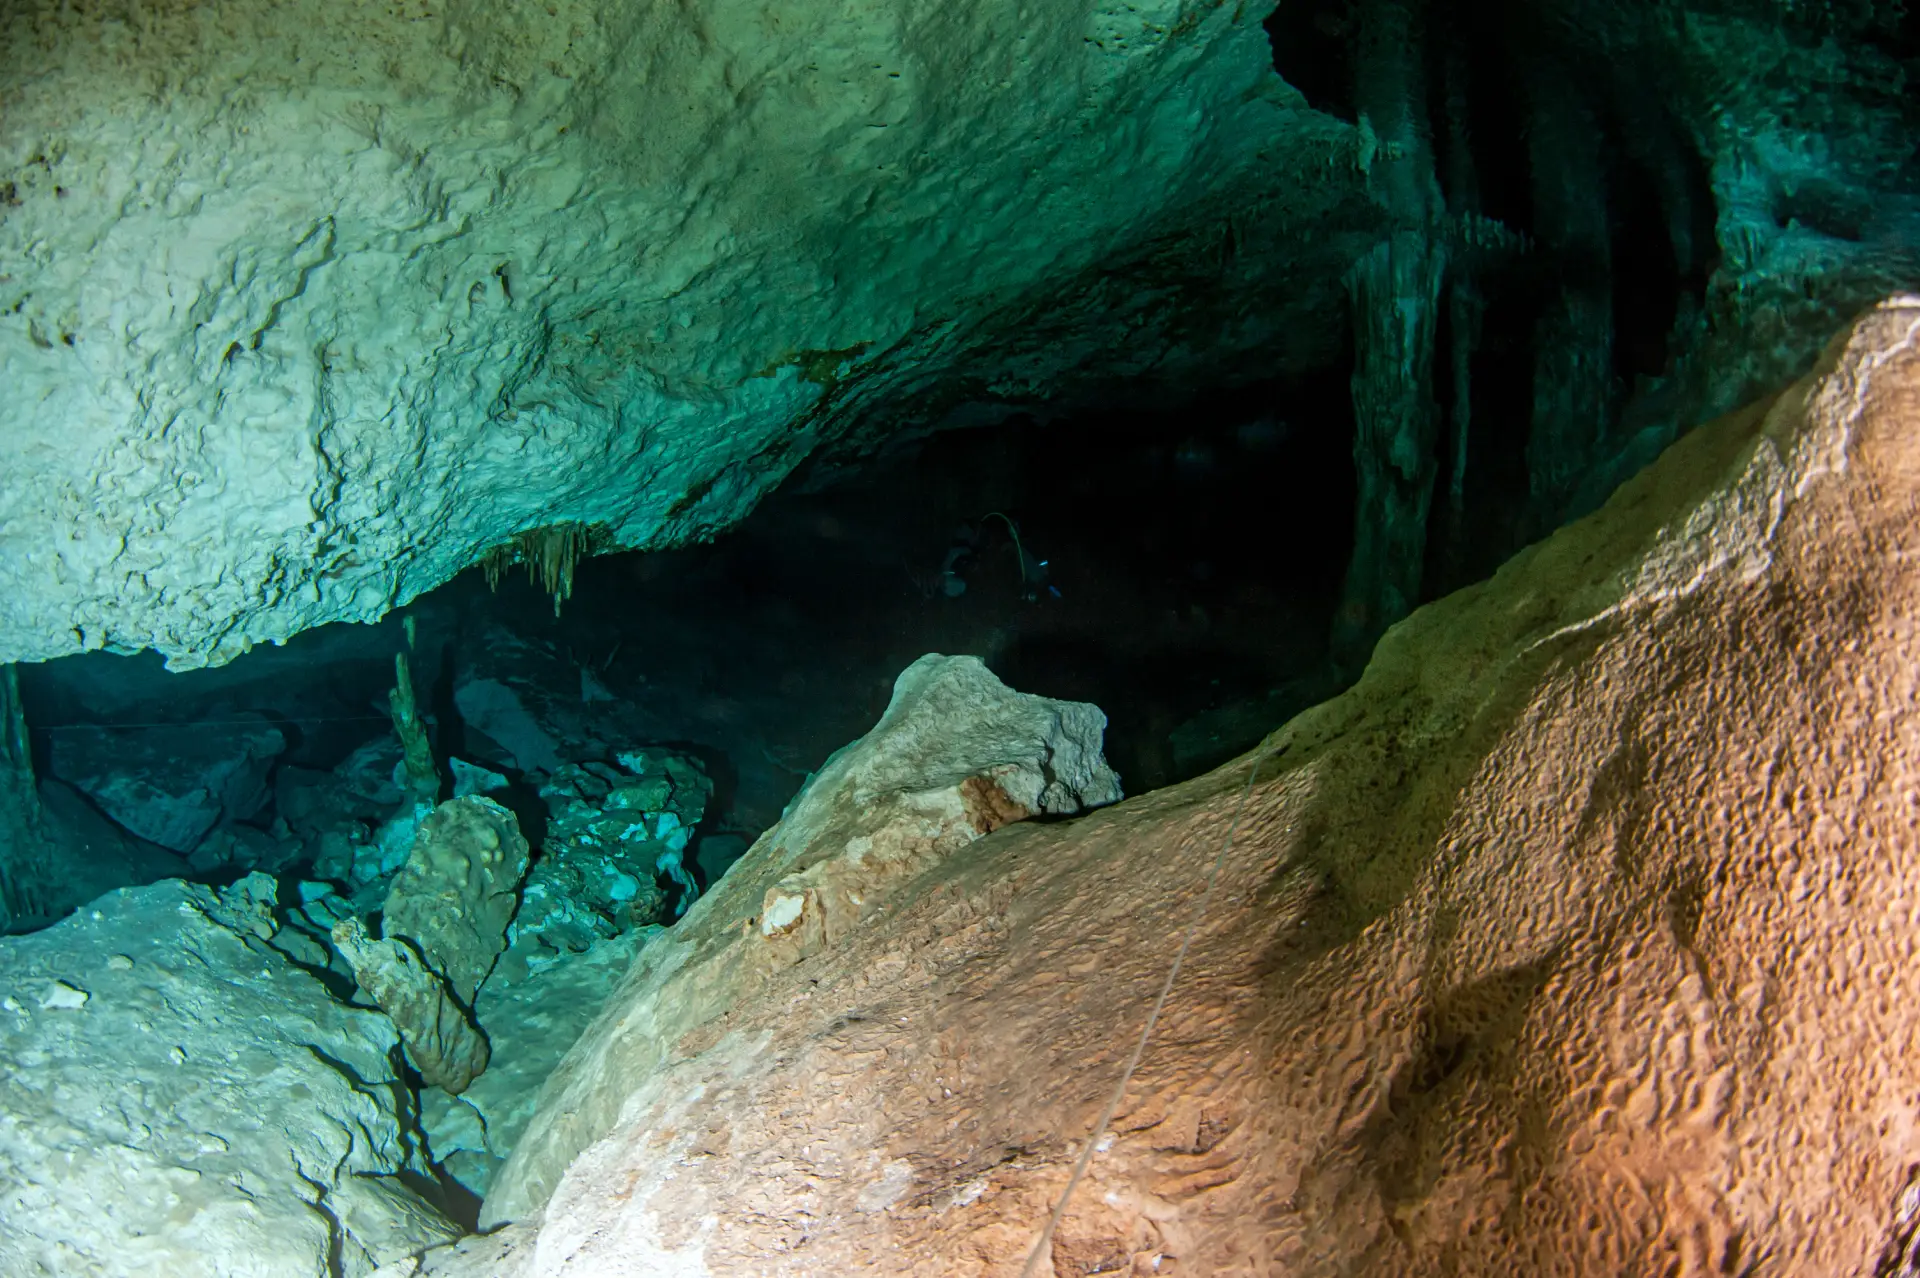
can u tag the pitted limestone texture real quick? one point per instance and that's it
(330, 304)
(1550, 947)
(207, 1110)
(443, 1042)
(458, 890)
(956, 756)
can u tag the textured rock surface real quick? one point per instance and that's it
(171, 786)
(457, 892)
(613, 835)
(442, 1040)
(1576, 939)
(305, 308)
(443, 926)
(531, 1022)
(177, 1098)
(956, 755)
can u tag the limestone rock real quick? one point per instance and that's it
(82, 855)
(444, 925)
(1575, 939)
(442, 1040)
(171, 786)
(207, 1110)
(329, 305)
(956, 755)
(612, 855)
(531, 1022)
(457, 892)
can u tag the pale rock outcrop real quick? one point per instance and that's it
(1577, 938)
(305, 309)
(956, 755)
(177, 1098)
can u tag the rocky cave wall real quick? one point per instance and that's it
(1575, 939)
(304, 308)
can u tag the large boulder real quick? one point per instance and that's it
(305, 310)
(1577, 938)
(177, 1097)
(444, 924)
(956, 755)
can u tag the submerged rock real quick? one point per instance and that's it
(956, 755)
(442, 1040)
(444, 923)
(1557, 944)
(458, 277)
(457, 892)
(614, 852)
(177, 1098)
(531, 1022)
(171, 787)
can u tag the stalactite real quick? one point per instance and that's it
(550, 554)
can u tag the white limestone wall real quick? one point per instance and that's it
(305, 305)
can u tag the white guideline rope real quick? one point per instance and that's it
(1045, 1240)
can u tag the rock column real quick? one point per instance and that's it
(1394, 291)
(22, 831)
(1573, 379)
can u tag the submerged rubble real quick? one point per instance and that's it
(172, 788)
(614, 854)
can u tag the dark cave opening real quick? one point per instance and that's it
(1312, 51)
(1191, 563)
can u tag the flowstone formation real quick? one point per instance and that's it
(459, 889)
(178, 1097)
(1552, 947)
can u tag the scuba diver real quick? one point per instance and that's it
(964, 554)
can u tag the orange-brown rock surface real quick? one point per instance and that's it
(1578, 938)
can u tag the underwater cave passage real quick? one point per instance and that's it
(1178, 569)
